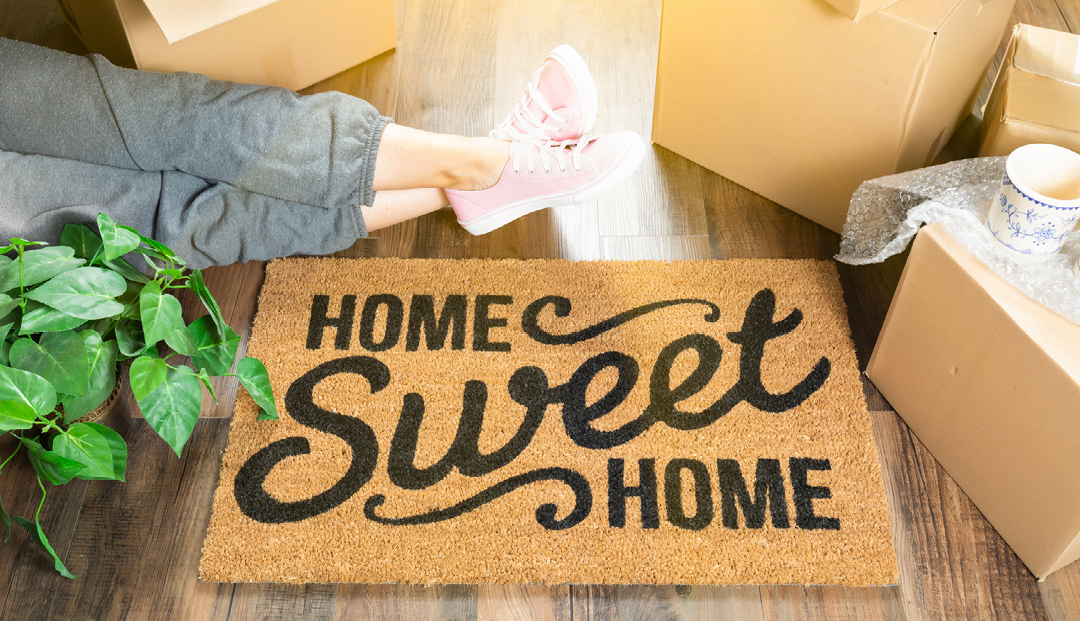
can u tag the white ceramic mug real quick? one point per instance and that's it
(1039, 200)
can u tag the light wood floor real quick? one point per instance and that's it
(458, 67)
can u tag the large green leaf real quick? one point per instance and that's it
(101, 376)
(159, 249)
(161, 314)
(39, 266)
(34, 528)
(29, 388)
(86, 292)
(42, 318)
(198, 285)
(212, 352)
(130, 338)
(118, 240)
(82, 239)
(146, 374)
(125, 269)
(7, 303)
(52, 466)
(256, 381)
(180, 340)
(99, 449)
(60, 358)
(173, 407)
(16, 415)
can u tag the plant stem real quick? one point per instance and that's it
(22, 290)
(49, 425)
(17, 446)
(37, 516)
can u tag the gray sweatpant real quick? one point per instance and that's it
(220, 172)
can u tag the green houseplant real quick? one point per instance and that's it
(70, 317)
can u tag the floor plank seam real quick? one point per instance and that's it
(1064, 18)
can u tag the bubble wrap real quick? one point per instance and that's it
(886, 213)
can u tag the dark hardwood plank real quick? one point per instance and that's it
(595, 602)
(798, 603)
(744, 225)
(1051, 15)
(213, 601)
(953, 565)
(683, 603)
(393, 601)
(38, 22)
(1061, 592)
(283, 602)
(29, 578)
(1070, 13)
(136, 545)
(513, 602)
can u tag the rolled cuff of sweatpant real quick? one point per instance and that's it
(367, 179)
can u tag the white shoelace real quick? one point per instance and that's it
(557, 150)
(522, 116)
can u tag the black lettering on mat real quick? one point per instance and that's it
(319, 321)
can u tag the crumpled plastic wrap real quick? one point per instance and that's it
(886, 213)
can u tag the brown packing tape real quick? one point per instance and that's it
(301, 502)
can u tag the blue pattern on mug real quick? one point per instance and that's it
(1025, 224)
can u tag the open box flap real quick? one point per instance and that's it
(181, 19)
(1048, 53)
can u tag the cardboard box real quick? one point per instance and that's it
(796, 102)
(1036, 96)
(857, 9)
(288, 43)
(989, 381)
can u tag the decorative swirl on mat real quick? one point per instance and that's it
(545, 514)
(562, 309)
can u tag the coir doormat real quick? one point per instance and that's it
(553, 422)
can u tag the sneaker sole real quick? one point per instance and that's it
(582, 78)
(491, 221)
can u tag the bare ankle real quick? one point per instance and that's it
(481, 164)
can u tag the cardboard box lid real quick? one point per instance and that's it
(989, 381)
(179, 19)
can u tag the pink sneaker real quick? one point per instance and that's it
(558, 104)
(554, 174)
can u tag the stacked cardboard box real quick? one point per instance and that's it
(989, 381)
(793, 100)
(288, 43)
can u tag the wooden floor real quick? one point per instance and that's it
(459, 66)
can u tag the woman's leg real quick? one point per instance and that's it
(412, 167)
(394, 206)
(411, 158)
